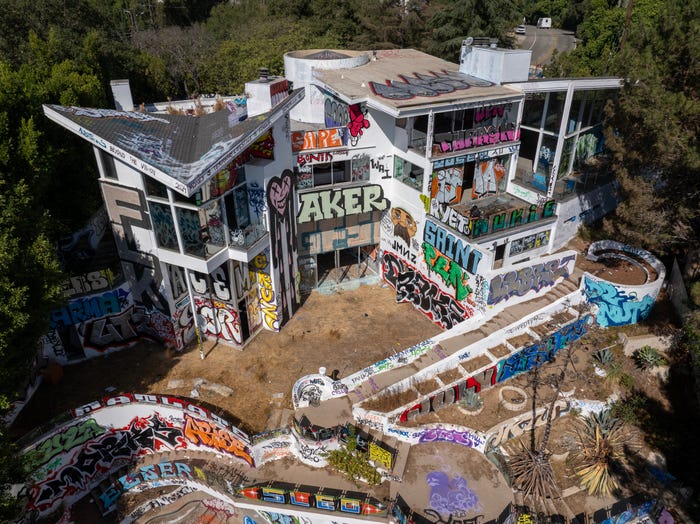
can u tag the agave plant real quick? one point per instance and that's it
(604, 356)
(603, 439)
(648, 357)
(471, 400)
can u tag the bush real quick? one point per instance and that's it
(631, 409)
(352, 462)
(471, 400)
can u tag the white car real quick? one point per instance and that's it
(520, 30)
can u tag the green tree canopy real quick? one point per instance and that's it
(455, 21)
(654, 127)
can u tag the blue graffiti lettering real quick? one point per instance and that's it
(615, 306)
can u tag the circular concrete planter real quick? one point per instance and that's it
(513, 406)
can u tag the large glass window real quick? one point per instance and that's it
(545, 158)
(566, 157)
(329, 173)
(212, 226)
(419, 132)
(163, 225)
(193, 234)
(555, 110)
(532, 111)
(575, 113)
(589, 144)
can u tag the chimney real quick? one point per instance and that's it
(266, 92)
(122, 95)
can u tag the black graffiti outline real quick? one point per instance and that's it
(411, 286)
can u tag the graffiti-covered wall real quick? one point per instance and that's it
(526, 281)
(97, 324)
(620, 304)
(524, 360)
(103, 436)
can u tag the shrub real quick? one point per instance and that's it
(603, 439)
(631, 409)
(352, 462)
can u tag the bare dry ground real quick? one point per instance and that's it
(347, 331)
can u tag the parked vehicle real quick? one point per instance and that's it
(544, 23)
(520, 30)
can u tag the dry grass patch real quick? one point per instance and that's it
(499, 351)
(390, 401)
(450, 376)
(474, 364)
(521, 341)
(427, 386)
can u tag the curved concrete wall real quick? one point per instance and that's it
(298, 69)
(101, 437)
(620, 304)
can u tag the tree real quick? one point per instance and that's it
(182, 52)
(653, 124)
(457, 20)
(530, 468)
(237, 60)
(41, 198)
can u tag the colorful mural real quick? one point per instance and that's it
(103, 436)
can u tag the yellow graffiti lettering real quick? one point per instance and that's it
(379, 454)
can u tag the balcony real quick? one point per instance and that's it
(494, 214)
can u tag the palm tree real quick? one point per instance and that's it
(604, 440)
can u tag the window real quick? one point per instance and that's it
(545, 159)
(532, 111)
(193, 234)
(163, 225)
(408, 173)
(555, 110)
(194, 200)
(109, 168)
(155, 188)
(575, 114)
(329, 173)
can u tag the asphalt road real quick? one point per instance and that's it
(543, 42)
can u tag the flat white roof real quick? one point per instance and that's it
(401, 81)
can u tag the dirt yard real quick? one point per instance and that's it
(347, 331)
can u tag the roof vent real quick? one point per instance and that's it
(264, 74)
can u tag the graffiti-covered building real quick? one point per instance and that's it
(453, 182)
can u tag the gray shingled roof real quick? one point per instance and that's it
(185, 151)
